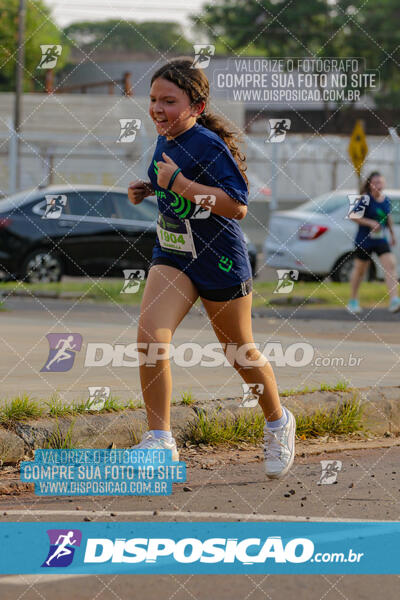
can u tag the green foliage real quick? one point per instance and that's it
(344, 419)
(212, 429)
(59, 440)
(319, 28)
(128, 36)
(187, 398)
(39, 29)
(20, 408)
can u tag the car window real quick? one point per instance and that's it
(325, 204)
(145, 211)
(16, 200)
(91, 204)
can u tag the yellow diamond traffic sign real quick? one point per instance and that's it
(358, 148)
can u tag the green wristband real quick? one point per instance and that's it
(173, 177)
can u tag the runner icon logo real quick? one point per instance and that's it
(62, 547)
(98, 396)
(129, 127)
(278, 129)
(251, 394)
(62, 351)
(202, 55)
(50, 54)
(286, 279)
(330, 469)
(54, 206)
(204, 203)
(133, 279)
(357, 206)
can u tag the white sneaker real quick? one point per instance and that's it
(150, 441)
(354, 307)
(279, 448)
(394, 305)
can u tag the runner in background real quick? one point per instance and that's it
(372, 236)
(197, 155)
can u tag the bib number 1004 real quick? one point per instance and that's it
(171, 237)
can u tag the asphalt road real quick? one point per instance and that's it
(228, 486)
(336, 343)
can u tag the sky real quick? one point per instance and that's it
(66, 12)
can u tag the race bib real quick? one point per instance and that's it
(378, 235)
(175, 235)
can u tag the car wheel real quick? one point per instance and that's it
(42, 266)
(341, 272)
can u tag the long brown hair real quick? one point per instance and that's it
(366, 186)
(194, 82)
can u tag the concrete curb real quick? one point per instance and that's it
(381, 418)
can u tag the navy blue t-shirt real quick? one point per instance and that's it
(221, 259)
(378, 211)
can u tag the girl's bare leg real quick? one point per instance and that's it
(167, 298)
(232, 324)
(357, 275)
(388, 262)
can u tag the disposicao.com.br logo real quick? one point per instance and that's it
(190, 550)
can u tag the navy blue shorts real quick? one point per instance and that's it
(365, 253)
(237, 291)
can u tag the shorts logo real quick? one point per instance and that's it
(54, 206)
(129, 127)
(62, 547)
(357, 206)
(62, 351)
(278, 129)
(225, 263)
(203, 54)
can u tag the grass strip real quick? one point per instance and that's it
(330, 293)
(209, 428)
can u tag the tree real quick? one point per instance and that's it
(39, 30)
(274, 28)
(320, 28)
(129, 36)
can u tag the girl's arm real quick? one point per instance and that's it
(225, 206)
(390, 227)
(368, 222)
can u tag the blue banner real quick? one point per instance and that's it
(200, 548)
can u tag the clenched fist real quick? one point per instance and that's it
(138, 190)
(165, 170)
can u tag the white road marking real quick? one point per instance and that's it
(34, 580)
(186, 514)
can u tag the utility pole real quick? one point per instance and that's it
(19, 80)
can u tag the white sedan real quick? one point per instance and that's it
(317, 239)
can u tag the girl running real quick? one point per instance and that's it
(372, 237)
(197, 156)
